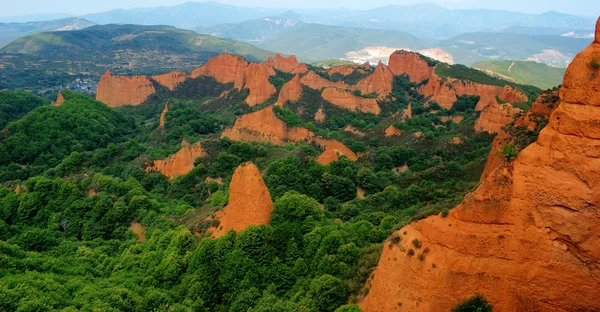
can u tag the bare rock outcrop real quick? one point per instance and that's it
(333, 150)
(249, 204)
(495, 116)
(348, 100)
(225, 68)
(379, 82)
(291, 91)
(392, 131)
(181, 162)
(314, 81)
(320, 115)
(257, 80)
(446, 90)
(60, 99)
(410, 63)
(264, 126)
(527, 238)
(117, 91)
(161, 123)
(288, 65)
(171, 80)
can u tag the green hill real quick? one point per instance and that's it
(12, 31)
(319, 42)
(480, 46)
(253, 31)
(124, 49)
(524, 72)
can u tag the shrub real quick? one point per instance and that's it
(417, 243)
(410, 252)
(475, 304)
(445, 212)
(421, 256)
(595, 64)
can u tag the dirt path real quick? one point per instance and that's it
(510, 67)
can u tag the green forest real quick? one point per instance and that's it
(73, 182)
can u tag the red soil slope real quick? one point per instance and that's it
(249, 202)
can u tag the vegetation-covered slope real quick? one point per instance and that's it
(77, 192)
(523, 72)
(89, 52)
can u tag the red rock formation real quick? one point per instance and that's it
(539, 112)
(320, 115)
(412, 64)
(249, 202)
(117, 91)
(165, 110)
(225, 68)
(333, 150)
(288, 65)
(527, 238)
(348, 100)
(181, 162)
(257, 80)
(344, 70)
(138, 230)
(264, 126)
(291, 91)
(495, 116)
(314, 81)
(392, 131)
(59, 99)
(379, 82)
(541, 109)
(407, 113)
(445, 91)
(171, 80)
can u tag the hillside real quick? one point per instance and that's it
(552, 50)
(253, 31)
(88, 53)
(311, 168)
(524, 72)
(318, 42)
(12, 31)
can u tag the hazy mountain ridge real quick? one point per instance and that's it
(12, 31)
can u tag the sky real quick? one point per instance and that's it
(80, 7)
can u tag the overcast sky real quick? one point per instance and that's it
(80, 7)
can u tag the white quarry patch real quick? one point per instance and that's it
(375, 54)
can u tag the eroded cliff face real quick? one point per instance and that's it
(412, 64)
(249, 202)
(180, 163)
(257, 80)
(379, 82)
(495, 116)
(348, 100)
(538, 114)
(117, 91)
(171, 80)
(347, 70)
(527, 238)
(60, 99)
(392, 131)
(288, 65)
(291, 91)
(264, 126)
(446, 90)
(314, 81)
(333, 150)
(161, 123)
(225, 68)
